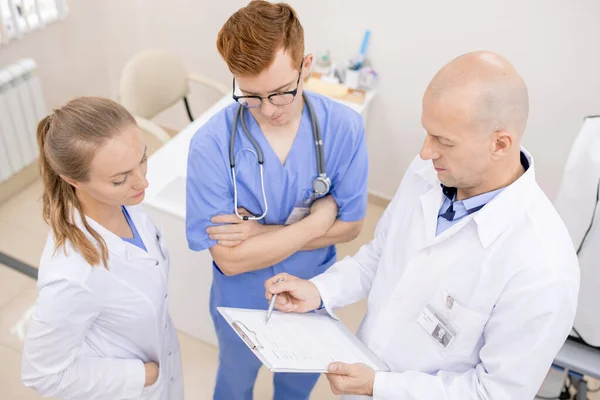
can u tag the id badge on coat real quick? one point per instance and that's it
(438, 328)
(301, 210)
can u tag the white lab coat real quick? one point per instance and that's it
(577, 204)
(510, 268)
(93, 329)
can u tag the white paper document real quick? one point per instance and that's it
(298, 342)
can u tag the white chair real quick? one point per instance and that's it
(577, 203)
(154, 80)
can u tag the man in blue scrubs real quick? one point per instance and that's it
(263, 46)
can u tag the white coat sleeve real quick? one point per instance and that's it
(52, 362)
(350, 280)
(526, 329)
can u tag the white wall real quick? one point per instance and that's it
(555, 44)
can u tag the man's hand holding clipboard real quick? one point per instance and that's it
(298, 295)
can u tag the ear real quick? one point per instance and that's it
(70, 181)
(307, 66)
(501, 144)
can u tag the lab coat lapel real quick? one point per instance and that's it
(148, 233)
(498, 215)
(136, 253)
(431, 201)
(116, 245)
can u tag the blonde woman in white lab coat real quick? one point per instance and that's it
(101, 328)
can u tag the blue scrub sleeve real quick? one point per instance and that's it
(208, 190)
(349, 187)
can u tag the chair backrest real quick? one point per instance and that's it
(577, 203)
(151, 82)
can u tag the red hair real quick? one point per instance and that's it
(252, 36)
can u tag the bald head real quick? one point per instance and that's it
(493, 95)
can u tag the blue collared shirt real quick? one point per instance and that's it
(461, 207)
(468, 206)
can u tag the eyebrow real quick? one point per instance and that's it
(126, 172)
(438, 137)
(271, 91)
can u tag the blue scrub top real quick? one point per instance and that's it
(137, 239)
(210, 186)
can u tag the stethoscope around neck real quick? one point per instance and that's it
(321, 184)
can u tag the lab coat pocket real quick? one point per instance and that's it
(148, 390)
(470, 325)
(467, 322)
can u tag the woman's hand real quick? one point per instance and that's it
(151, 373)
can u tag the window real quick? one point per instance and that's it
(18, 17)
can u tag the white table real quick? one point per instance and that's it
(191, 272)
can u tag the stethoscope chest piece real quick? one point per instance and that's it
(321, 185)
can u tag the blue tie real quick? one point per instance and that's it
(450, 193)
(449, 214)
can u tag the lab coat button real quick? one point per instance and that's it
(170, 353)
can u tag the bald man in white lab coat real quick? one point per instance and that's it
(469, 249)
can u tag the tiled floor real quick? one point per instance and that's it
(23, 235)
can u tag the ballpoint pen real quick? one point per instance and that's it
(272, 303)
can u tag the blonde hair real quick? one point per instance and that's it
(68, 139)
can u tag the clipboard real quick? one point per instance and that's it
(252, 343)
(289, 342)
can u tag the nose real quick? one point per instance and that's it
(428, 151)
(141, 183)
(267, 108)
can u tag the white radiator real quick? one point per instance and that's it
(21, 107)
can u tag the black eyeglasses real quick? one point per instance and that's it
(277, 99)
